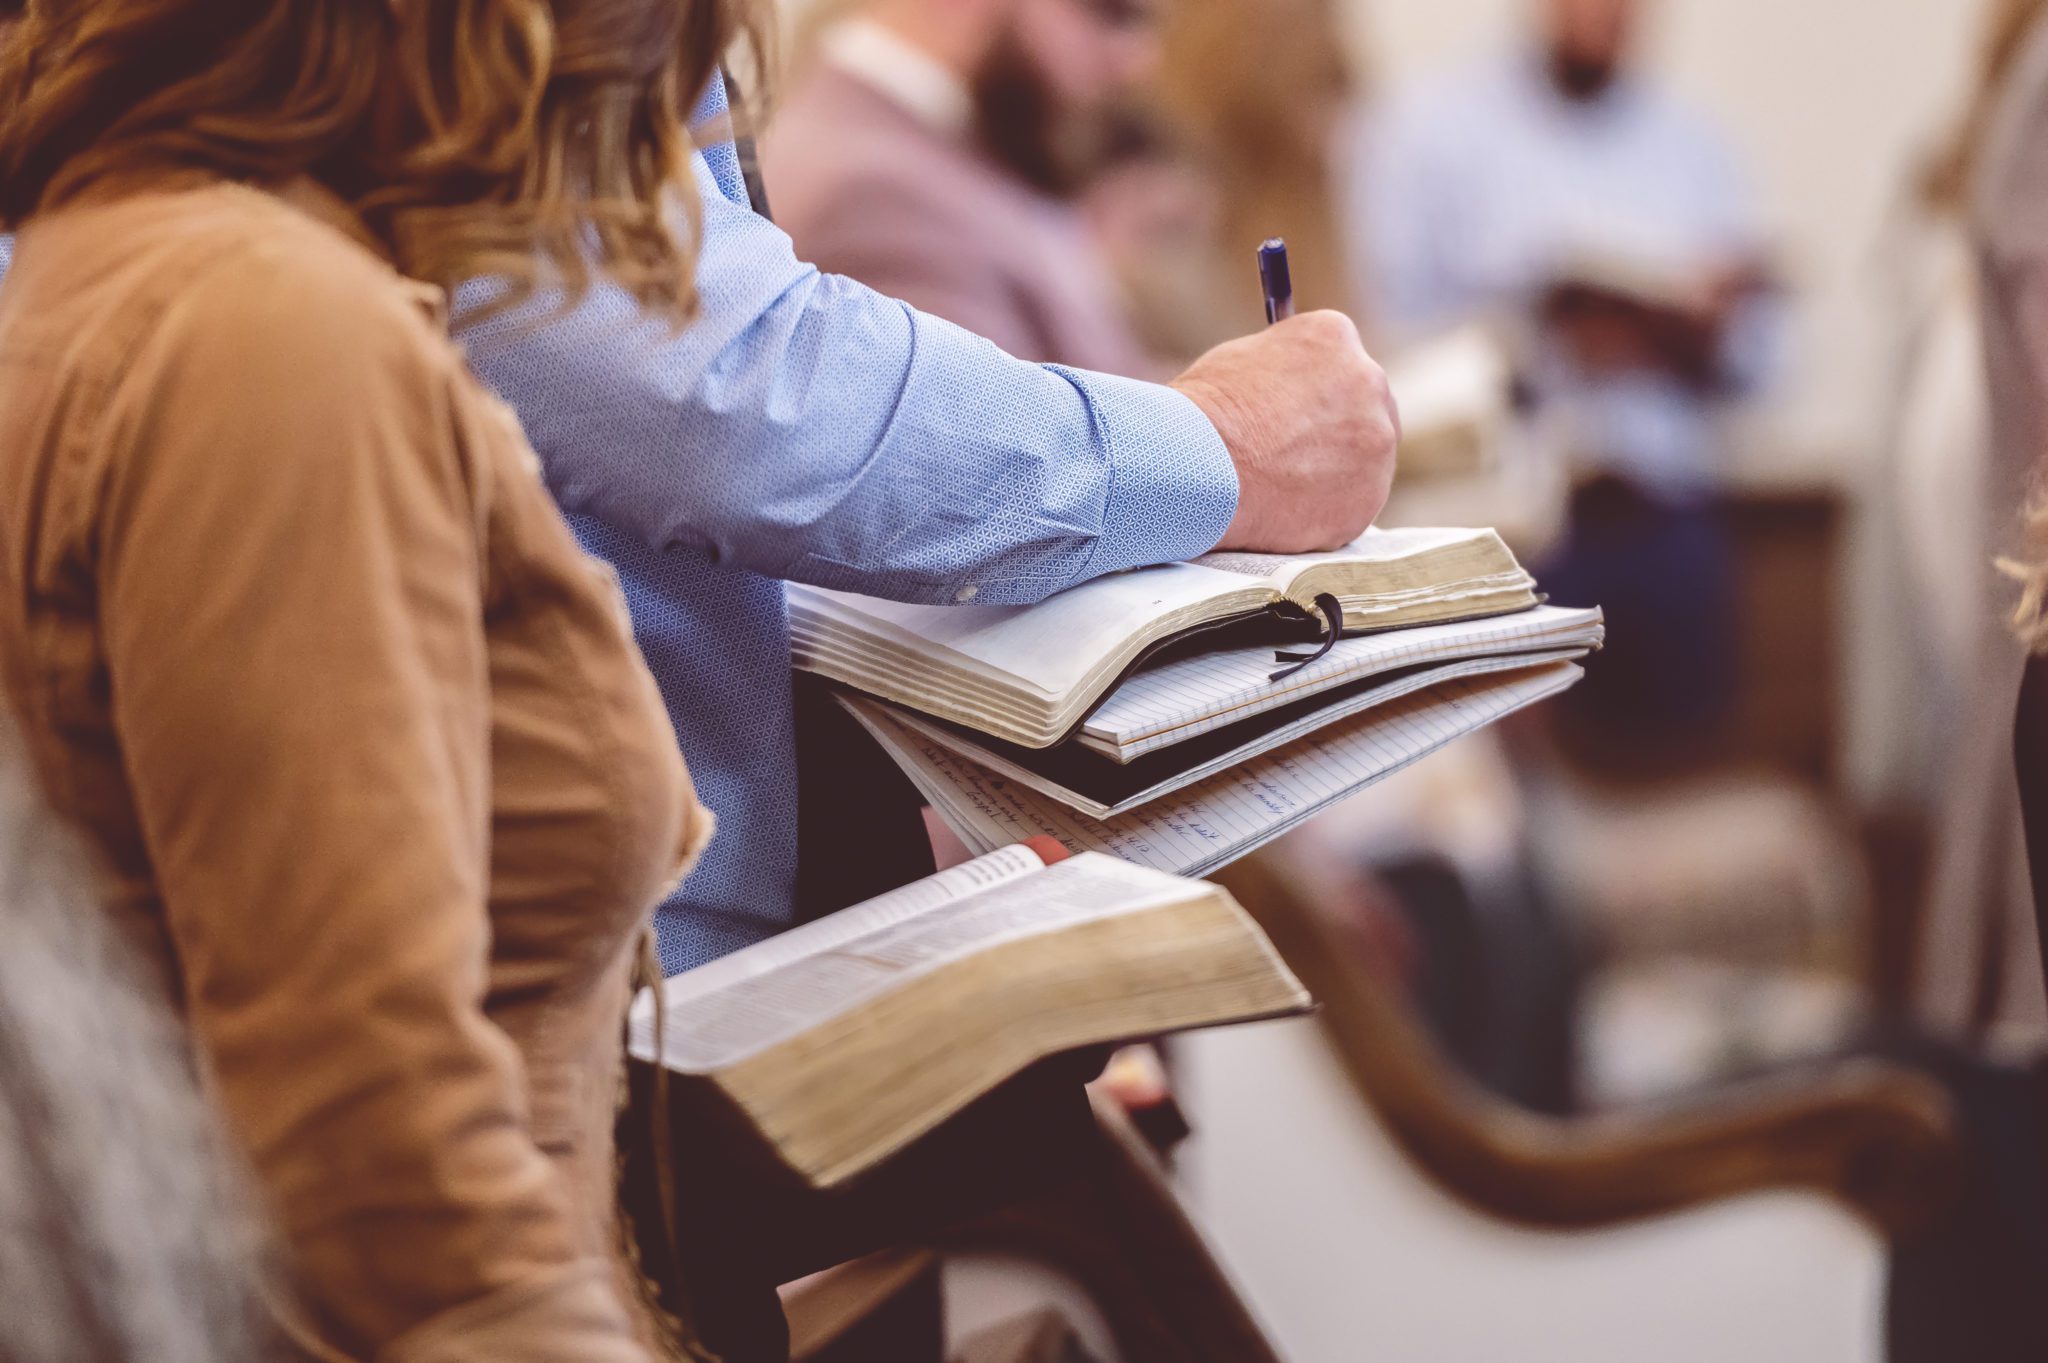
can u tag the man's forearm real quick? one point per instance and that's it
(808, 428)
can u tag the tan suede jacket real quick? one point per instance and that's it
(294, 631)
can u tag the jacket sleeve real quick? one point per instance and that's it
(292, 603)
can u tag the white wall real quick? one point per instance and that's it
(1831, 99)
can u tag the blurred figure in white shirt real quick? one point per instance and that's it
(1560, 192)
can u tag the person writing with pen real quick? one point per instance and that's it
(804, 427)
(809, 428)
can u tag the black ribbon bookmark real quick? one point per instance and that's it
(1333, 630)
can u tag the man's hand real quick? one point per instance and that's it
(1311, 426)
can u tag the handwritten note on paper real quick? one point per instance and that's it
(1217, 820)
(1086, 793)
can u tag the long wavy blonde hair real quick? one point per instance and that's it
(2030, 617)
(534, 142)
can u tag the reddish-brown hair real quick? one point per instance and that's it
(531, 141)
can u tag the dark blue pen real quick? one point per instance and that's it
(1276, 280)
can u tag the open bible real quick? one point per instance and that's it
(1029, 674)
(841, 1042)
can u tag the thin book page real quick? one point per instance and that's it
(826, 647)
(997, 867)
(1211, 823)
(761, 1010)
(1186, 697)
(1374, 546)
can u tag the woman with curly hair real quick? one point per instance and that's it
(293, 631)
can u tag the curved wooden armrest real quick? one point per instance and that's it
(1112, 1223)
(1119, 1231)
(1877, 1137)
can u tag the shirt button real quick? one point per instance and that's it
(967, 593)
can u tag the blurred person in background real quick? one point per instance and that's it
(1980, 951)
(1560, 191)
(1918, 594)
(1270, 135)
(1967, 1290)
(296, 636)
(1156, 210)
(935, 150)
(126, 1234)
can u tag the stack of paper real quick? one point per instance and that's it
(1164, 715)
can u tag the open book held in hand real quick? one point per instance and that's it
(843, 1041)
(1029, 674)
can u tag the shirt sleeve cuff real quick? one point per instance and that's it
(1172, 486)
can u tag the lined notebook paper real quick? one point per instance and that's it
(1103, 788)
(1214, 822)
(1175, 700)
